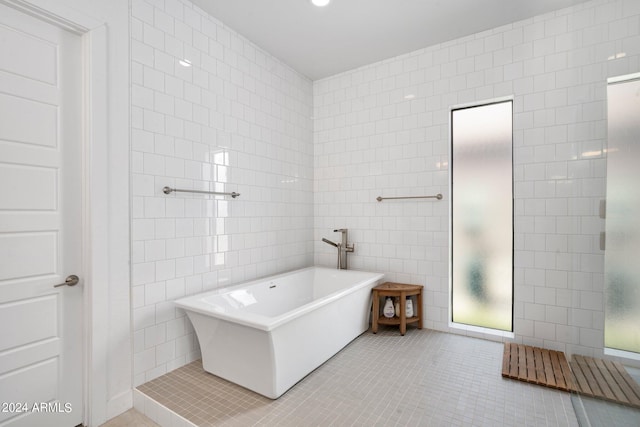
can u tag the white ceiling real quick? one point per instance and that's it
(346, 34)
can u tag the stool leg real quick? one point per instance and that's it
(403, 313)
(420, 309)
(374, 312)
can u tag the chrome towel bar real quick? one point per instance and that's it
(169, 190)
(437, 196)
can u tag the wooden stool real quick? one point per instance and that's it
(402, 291)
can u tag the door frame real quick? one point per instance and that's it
(99, 404)
(630, 357)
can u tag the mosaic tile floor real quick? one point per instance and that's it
(425, 378)
(595, 413)
(130, 418)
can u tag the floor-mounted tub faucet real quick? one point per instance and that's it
(346, 247)
(342, 247)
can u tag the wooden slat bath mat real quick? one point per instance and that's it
(606, 380)
(536, 365)
(602, 379)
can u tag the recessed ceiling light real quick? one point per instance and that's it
(320, 3)
(185, 62)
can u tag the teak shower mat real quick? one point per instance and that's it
(536, 365)
(602, 379)
(606, 380)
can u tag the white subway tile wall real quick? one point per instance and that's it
(383, 130)
(236, 119)
(310, 157)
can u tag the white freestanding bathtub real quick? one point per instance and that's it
(268, 334)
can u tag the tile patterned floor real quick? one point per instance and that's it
(130, 418)
(425, 378)
(603, 413)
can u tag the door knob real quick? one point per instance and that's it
(71, 280)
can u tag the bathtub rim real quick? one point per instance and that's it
(269, 323)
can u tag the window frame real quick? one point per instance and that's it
(458, 325)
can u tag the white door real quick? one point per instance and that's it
(41, 351)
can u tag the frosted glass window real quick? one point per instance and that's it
(482, 216)
(622, 249)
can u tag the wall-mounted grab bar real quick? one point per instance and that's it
(169, 190)
(437, 196)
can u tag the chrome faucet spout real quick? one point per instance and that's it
(339, 247)
(335, 245)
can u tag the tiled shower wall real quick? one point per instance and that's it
(236, 120)
(240, 120)
(383, 130)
